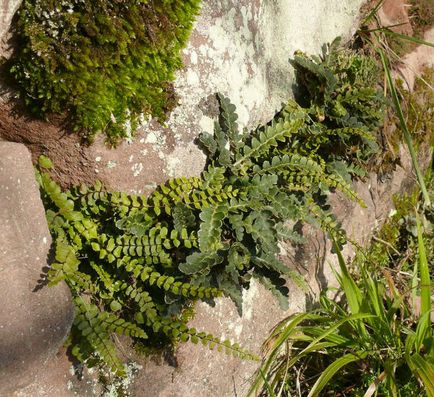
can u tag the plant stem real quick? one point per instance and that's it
(404, 128)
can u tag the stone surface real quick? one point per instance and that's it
(7, 11)
(34, 321)
(240, 48)
(413, 64)
(395, 12)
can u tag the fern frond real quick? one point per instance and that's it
(91, 326)
(181, 331)
(211, 227)
(326, 220)
(112, 323)
(214, 177)
(277, 288)
(66, 263)
(228, 122)
(92, 200)
(200, 262)
(268, 138)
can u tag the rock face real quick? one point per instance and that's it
(240, 48)
(7, 11)
(34, 321)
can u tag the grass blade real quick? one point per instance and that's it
(407, 38)
(425, 290)
(267, 385)
(333, 328)
(425, 371)
(280, 340)
(404, 127)
(373, 12)
(332, 369)
(352, 292)
(425, 282)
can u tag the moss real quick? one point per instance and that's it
(103, 62)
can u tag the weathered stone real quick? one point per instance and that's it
(240, 48)
(7, 10)
(413, 64)
(34, 321)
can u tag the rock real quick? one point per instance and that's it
(7, 10)
(34, 321)
(395, 12)
(414, 63)
(240, 48)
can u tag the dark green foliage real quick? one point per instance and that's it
(133, 262)
(104, 62)
(344, 104)
(378, 339)
(144, 259)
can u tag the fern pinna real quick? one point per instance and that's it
(134, 263)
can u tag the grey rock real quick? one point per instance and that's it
(34, 321)
(7, 10)
(240, 48)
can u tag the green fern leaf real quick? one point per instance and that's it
(211, 227)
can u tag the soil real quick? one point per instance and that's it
(48, 137)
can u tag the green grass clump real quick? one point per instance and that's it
(376, 340)
(103, 62)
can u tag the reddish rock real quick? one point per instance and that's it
(34, 321)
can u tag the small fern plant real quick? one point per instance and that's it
(345, 106)
(134, 263)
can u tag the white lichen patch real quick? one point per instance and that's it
(151, 138)
(111, 164)
(186, 161)
(206, 124)
(137, 168)
(249, 297)
(156, 138)
(173, 164)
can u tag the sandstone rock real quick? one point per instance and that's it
(240, 48)
(7, 11)
(34, 321)
(413, 64)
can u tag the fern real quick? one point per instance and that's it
(143, 260)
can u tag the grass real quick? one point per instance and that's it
(374, 337)
(370, 342)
